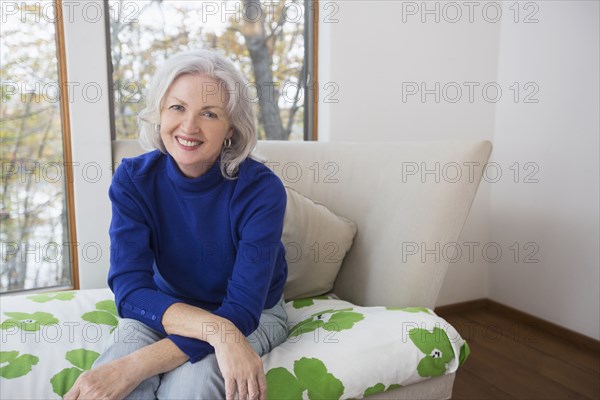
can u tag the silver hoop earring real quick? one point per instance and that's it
(227, 143)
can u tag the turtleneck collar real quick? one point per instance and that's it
(202, 184)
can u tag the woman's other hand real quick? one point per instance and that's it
(242, 369)
(113, 380)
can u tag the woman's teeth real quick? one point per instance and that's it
(188, 143)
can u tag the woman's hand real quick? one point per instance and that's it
(242, 369)
(113, 380)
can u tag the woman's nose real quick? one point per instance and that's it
(189, 124)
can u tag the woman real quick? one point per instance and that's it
(197, 263)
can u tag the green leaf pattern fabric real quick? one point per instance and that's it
(82, 360)
(437, 348)
(335, 349)
(107, 305)
(45, 342)
(380, 388)
(329, 320)
(13, 365)
(45, 297)
(310, 380)
(412, 309)
(308, 302)
(106, 314)
(64, 380)
(371, 351)
(464, 353)
(28, 322)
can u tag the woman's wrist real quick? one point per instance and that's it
(131, 369)
(222, 332)
(193, 322)
(157, 358)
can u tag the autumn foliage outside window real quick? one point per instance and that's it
(34, 234)
(265, 39)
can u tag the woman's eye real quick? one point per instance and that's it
(210, 114)
(176, 107)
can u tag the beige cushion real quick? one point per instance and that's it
(316, 241)
(382, 188)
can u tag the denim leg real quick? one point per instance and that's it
(272, 329)
(130, 336)
(203, 380)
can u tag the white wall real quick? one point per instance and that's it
(90, 137)
(376, 49)
(560, 134)
(376, 46)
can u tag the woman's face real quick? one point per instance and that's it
(193, 122)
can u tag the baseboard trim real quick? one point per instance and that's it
(457, 308)
(576, 338)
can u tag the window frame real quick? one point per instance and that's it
(311, 99)
(65, 121)
(90, 142)
(66, 137)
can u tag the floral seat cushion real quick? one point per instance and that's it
(338, 350)
(334, 350)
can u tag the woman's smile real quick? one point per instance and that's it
(188, 144)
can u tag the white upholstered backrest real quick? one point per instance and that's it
(398, 210)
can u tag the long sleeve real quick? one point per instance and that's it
(131, 257)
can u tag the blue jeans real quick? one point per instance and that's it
(201, 380)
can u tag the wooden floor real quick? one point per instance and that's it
(512, 359)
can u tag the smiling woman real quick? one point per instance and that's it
(193, 128)
(197, 264)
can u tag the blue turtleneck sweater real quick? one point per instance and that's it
(209, 242)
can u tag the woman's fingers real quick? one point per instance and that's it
(253, 389)
(242, 387)
(230, 388)
(262, 384)
(73, 393)
(250, 389)
(242, 370)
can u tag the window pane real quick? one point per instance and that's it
(265, 36)
(33, 213)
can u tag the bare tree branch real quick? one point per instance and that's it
(295, 107)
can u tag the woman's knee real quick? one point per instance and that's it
(131, 331)
(272, 330)
(201, 380)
